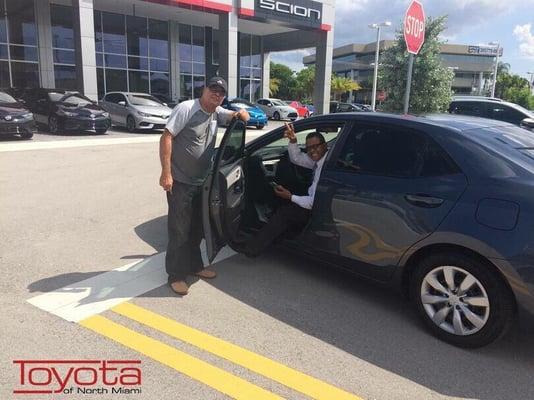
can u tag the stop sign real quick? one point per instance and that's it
(414, 27)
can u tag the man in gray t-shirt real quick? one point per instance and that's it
(187, 149)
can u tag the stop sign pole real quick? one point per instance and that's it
(414, 36)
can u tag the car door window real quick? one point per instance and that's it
(467, 108)
(505, 113)
(390, 151)
(330, 133)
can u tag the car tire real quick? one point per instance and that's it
(130, 124)
(260, 126)
(276, 116)
(307, 115)
(53, 124)
(471, 316)
(101, 131)
(26, 135)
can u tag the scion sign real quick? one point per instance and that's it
(302, 12)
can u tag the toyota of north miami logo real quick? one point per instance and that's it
(78, 377)
(302, 12)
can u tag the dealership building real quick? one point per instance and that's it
(472, 65)
(168, 47)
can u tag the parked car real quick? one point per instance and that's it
(166, 100)
(257, 117)
(136, 110)
(363, 107)
(338, 107)
(302, 110)
(61, 110)
(311, 108)
(277, 109)
(15, 119)
(493, 108)
(438, 207)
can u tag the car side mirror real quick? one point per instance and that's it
(122, 103)
(165, 104)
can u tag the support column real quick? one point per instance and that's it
(481, 83)
(44, 29)
(84, 37)
(323, 71)
(228, 51)
(266, 74)
(175, 61)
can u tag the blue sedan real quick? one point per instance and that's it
(258, 118)
(438, 207)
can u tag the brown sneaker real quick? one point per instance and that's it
(207, 273)
(179, 287)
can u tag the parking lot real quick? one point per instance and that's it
(82, 220)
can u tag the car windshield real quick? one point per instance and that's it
(144, 100)
(278, 103)
(70, 98)
(241, 103)
(5, 98)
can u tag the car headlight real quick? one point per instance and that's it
(27, 115)
(105, 114)
(142, 114)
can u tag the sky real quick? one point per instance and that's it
(472, 22)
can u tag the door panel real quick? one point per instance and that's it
(365, 218)
(224, 191)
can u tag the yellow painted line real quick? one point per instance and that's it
(289, 377)
(199, 370)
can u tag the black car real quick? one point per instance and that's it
(165, 100)
(439, 207)
(338, 107)
(64, 110)
(493, 108)
(15, 119)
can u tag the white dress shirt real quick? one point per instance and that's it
(299, 158)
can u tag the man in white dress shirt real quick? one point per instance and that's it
(297, 212)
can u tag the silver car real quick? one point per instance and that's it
(136, 110)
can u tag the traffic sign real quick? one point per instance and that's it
(414, 27)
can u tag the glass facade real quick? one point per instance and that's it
(62, 20)
(19, 55)
(192, 50)
(249, 66)
(132, 54)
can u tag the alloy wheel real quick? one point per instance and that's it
(455, 300)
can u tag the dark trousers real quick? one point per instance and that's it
(184, 224)
(286, 217)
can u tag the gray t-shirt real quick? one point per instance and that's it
(194, 133)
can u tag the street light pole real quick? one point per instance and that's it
(531, 81)
(495, 69)
(377, 51)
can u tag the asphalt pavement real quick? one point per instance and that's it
(85, 223)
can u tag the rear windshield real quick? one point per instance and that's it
(504, 147)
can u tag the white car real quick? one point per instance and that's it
(277, 109)
(136, 110)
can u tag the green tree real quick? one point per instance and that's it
(431, 80)
(305, 84)
(513, 88)
(340, 85)
(286, 77)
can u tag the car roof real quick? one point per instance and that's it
(452, 122)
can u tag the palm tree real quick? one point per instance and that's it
(503, 68)
(274, 86)
(340, 85)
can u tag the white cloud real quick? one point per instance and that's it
(526, 39)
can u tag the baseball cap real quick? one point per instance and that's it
(217, 81)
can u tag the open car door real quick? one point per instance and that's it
(224, 190)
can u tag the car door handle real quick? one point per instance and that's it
(238, 189)
(423, 200)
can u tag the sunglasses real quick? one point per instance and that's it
(217, 90)
(314, 146)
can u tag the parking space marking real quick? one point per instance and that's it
(64, 144)
(195, 368)
(92, 296)
(261, 365)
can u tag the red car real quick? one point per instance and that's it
(302, 110)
